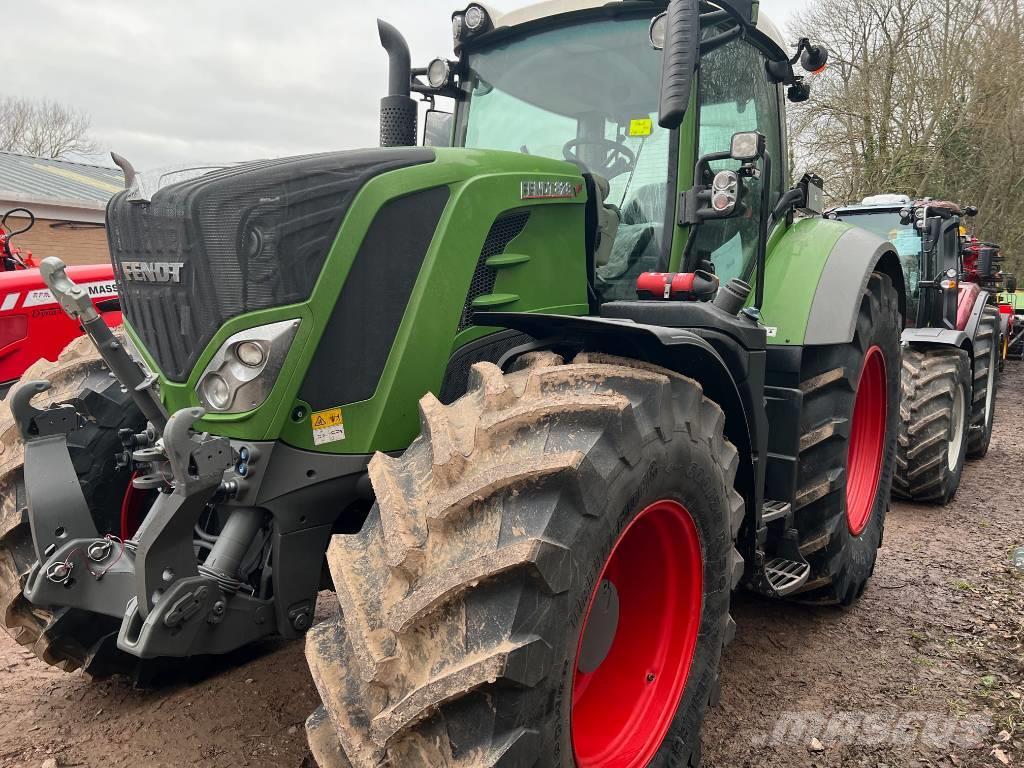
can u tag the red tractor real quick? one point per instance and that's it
(32, 324)
(951, 345)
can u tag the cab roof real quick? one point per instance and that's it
(551, 8)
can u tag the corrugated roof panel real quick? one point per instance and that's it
(58, 180)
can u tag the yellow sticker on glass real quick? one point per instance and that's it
(328, 426)
(641, 127)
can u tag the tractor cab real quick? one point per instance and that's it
(929, 237)
(584, 85)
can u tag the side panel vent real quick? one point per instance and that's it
(505, 229)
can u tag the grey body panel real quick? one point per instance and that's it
(168, 604)
(936, 337)
(837, 301)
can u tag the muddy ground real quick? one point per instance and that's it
(927, 670)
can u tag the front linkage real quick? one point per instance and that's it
(170, 604)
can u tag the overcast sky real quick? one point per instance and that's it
(222, 80)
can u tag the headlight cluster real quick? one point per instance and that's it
(243, 372)
(469, 23)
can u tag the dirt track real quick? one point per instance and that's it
(928, 670)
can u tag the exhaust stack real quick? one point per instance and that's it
(399, 112)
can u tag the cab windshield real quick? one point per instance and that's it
(586, 93)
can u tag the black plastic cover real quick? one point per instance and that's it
(239, 240)
(358, 338)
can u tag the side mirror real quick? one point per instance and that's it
(1011, 283)
(679, 65)
(814, 58)
(437, 130)
(971, 210)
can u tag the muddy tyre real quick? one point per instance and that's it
(546, 576)
(848, 449)
(68, 639)
(934, 422)
(986, 384)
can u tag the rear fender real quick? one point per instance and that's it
(815, 280)
(675, 349)
(974, 318)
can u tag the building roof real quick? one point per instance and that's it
(37, 180)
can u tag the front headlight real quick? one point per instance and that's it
(243, 372)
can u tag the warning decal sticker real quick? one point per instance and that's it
(328, 426)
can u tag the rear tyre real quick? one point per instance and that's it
(934, 422)
(848, 449)
(545, 580)
(67, 638)
(986, 384)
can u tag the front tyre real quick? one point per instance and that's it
(934, 421)
(851, 395)
(545, 580)
(67, 638)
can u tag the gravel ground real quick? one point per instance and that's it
(927, 670)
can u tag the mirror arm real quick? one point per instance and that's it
(794, 198)
(716, 42)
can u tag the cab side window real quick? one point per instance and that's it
(736, 95)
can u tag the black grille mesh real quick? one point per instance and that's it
(251, 237)
(505, 229)
(399, 118)
(489, 349)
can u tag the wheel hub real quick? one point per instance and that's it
(638, 640)
(602, 624)
(957, 438)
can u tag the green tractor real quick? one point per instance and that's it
(951, 351)
(646, 373)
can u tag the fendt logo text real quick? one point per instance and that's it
(157, 272)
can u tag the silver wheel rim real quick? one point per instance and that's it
(990, 393)
(957, 438)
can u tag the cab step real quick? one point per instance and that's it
(786, 576)
(773, 511)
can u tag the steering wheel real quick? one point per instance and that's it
(618, 158)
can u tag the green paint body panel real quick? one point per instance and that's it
(797, 258)
(546, 274)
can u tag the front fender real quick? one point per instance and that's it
(816, 275)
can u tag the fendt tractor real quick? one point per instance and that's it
(646, 372)
(951, 349)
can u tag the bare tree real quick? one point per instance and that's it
(43, 128)
(923, 97)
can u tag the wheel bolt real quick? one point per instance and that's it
(650, 677)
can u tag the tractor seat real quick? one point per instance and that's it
(636, 248)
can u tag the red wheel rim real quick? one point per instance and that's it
(133, 507)
(623, 708)
(867, 442)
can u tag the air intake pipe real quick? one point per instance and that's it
(399, 113)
